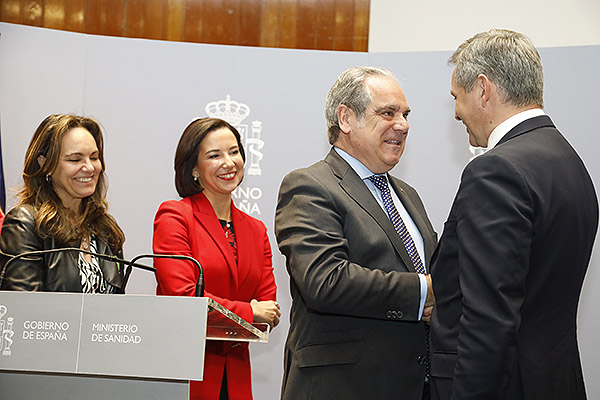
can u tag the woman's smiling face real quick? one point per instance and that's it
(76, 174)
(220, 167)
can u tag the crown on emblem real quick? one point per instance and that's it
(229, 110)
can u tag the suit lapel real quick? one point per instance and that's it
(351, 183)
(206, 217)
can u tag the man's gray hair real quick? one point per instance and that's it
(350, 89)
(507, 58)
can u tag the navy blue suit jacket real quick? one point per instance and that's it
(508, 271)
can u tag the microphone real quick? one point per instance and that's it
(105, 257)
(199, 284)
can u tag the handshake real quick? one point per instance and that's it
(429, 301)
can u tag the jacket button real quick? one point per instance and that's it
(421, 360)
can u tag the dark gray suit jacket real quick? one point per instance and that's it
(354, 332)
(508, 272)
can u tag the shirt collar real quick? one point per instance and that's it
(361, 170)
(501, 130)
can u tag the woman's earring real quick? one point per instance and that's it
(48, 178)
(195, 178)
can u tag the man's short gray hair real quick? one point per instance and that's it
(350, 89)
(507, 58)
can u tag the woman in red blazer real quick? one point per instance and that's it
(232, 247)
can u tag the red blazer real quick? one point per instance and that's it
(190, 227)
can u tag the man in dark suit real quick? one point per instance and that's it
(512, 258)
(358, 301)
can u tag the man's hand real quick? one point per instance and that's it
(429, 301)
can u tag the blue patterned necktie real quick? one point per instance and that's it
(380, 183)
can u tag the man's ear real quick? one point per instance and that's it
(41, 160)
(484, 85)
(343, 115)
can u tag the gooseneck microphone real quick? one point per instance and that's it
(199, 284)
(130, 264)
(32, 254)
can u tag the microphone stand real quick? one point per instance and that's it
(73, 249)
(130, 264)
(199, 285)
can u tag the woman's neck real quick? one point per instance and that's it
(73, 205)
(221, 204)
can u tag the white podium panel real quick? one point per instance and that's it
(138, 336)
(63, 346)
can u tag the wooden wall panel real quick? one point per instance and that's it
(324, 25)
(250, 13)
(74, 12)
(361, 24)
(54, 14)
(288, 20)
(219, 19)
(344, 27)
(134, 19)
(31, 12)
(192, 22)
(115, 21)
(269, 23)
(300, 24)
(175, 20)
(95, 17)
(154, 19)
(10, 11)
(305, 33)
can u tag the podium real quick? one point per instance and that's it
(81, 346)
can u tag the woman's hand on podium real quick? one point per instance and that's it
(266, 311)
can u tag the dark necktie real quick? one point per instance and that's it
(381, 184)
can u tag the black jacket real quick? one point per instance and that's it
(56, 272)
(508, 272)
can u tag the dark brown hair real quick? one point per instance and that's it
(186, 155)
(53, 219)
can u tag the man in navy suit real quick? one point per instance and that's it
(512, 258)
